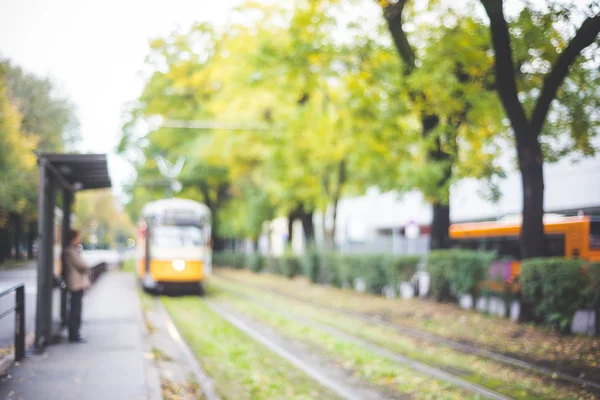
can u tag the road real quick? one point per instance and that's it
(28, 276)
(12, 277)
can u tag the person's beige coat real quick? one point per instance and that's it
(77, 269)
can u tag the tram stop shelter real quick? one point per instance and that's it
(61, 176)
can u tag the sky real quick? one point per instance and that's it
(94, 51)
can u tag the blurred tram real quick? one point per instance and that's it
(174, 249)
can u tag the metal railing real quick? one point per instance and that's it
(19, 309)
(96, 271)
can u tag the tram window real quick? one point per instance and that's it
(177, 236)
(466, 244)
(509, 248)
(555, 246)
(595, 235)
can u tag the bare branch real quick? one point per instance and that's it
(393, 16)
(585, 36)
(504, 68)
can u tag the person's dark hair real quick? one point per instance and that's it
(73, 233)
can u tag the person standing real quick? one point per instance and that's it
(77, 282)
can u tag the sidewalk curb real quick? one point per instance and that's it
(200, 375)
(153, 385)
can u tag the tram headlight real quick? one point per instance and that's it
(179, 265)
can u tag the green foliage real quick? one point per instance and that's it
(255, 262)
(438, 267)
(290, 265)
(330, 269)
(17, 160)
(555, 287)
(592, 291)
(471, 269)
(48, 119)
(310, 265)
(221, 259)
(454, 273)
(96, 213)
(273, 265)
(231, 259)
(538, 42)
(402, 268)
(32, 118)
(372, 268)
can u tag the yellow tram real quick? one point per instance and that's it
(174, 248)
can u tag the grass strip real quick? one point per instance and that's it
(572, 354)
(377, 371)
(493, 375)
(240, 367)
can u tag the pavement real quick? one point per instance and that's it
(28, 275)
(112, 365)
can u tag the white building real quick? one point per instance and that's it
(377, 221)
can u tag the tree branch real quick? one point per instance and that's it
(584, 37)
(393, 16)
(504, 67)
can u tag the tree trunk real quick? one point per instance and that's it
(308, 226)
(439, 226)
(532, 228)
(532, 174)
(341, 180)
(441, 207)
(290, 227)
(334, 225)
(4, 244)
(218, 242)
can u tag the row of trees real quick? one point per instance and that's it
(101, 219)
(33, 117)
(309, 103)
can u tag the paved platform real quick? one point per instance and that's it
(112, 365)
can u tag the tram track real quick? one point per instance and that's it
(417, 366)
(432, 338)
(321, 375)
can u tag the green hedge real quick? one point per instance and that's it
(310, 262)
(290, 265)
(556, 289)
(330, 269)
(272, 265)
(456, 272)
(377, 270)
(229, 259)
(592, 291)
(402, 269)
(372, 268)
(255, 262)
(223, 259)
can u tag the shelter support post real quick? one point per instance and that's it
(43, 326)
(66, 226)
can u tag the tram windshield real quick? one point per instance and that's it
(177, 236)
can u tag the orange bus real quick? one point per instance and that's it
(572, 237)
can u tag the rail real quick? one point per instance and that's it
(96, 271)
(19, 309)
